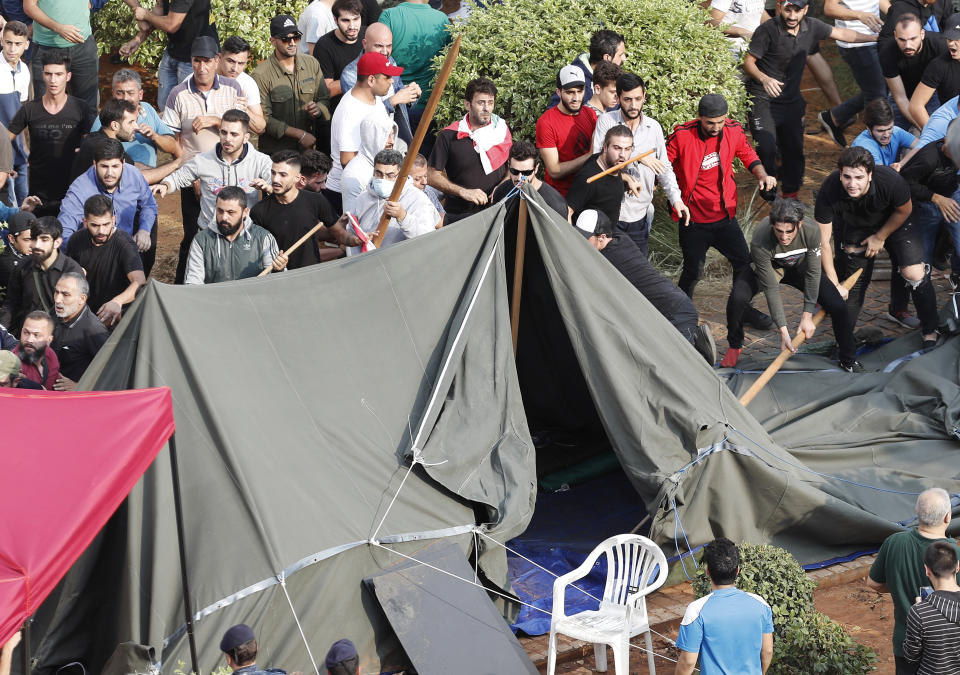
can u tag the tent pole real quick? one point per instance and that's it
(25, 646)
(178, 508)
(518, 271)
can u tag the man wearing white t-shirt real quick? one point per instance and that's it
(234, 57)
(861, 16)
(738, 18)
(374, 77)
(316, 20)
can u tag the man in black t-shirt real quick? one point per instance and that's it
(941, 76)
(604, 194)
(523, 167)
(288, 213)
(903, 60)
(77, 334)
(17, 247)
(57, 122)
(774, 63)
(340, 46)
(469, 157)
(110, 258)
(862, 208)
(184, 21)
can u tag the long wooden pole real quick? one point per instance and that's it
(297, 244)
(184, 578)
(621, 165)
(418, 137)
(778, 362)
(518, 271)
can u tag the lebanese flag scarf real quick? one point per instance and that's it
(492, 142)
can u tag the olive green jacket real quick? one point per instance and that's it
(283, 96)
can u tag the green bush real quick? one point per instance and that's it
(805, 641)
(114, 25)
(522, 44)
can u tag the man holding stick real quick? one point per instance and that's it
(862, 208)
(606, 193)
(787, 250)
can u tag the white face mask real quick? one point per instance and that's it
(382, 187)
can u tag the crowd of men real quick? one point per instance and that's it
(316, 134)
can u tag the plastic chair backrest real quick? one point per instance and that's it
(635, 566)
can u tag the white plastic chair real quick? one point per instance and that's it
(632, 563)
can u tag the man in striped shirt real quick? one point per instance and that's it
(933, 624)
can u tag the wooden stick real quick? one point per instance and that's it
(621, 165)
(778, 362)
(295, 246)
(518, 271)
(418, 137)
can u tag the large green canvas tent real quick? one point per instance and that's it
(301, 399)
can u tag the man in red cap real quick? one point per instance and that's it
(374, 78)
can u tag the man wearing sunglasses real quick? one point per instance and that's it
(292, 91)
(522, 168)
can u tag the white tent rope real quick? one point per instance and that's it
(313, 661)
(496, 592)
(416, 460)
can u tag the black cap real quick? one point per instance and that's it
(592, 222)
(797, 3)
(20, 222)
(236, 636)
(712, 105)
(340, 651)
(951, 28)
(205, 47)
(283, 25)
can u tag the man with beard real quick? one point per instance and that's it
(233, 161)
(133, 203)
(78, 335)
(288, 212)
(110, 258)
(32, 283)
(564, 132)
(636, 214)
(903, 61)
(702, 152)
(38, 362)
(774, 65)
(941, 76)
(236, 249)
(469, 158)
(604, 194)
(862, 208)
(10, 377)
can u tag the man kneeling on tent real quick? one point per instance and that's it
(623, 253)
(240, 646)
(410, 216)
(787, 250)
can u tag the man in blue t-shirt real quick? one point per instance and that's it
(730, 630)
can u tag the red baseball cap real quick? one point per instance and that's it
(375, 63)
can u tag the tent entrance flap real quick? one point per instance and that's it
(446, 624)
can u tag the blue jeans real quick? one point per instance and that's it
(901, 121)
(926, 219)
(170, 73)
(865, 66)
(84, 69)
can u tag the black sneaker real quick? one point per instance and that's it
(852, 367)
(833, 131)
(704, 343)
(754, 317)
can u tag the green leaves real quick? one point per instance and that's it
(521, 44)
(114, 25)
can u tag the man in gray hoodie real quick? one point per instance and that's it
(234, 161)
(933, 624)
(410, 216)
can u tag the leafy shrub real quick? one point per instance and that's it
(805, 641)
(114, 25)
(522, 44)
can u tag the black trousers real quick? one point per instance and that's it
(663, 294)
(697, 238)
(190, 210)
(747, 286)
(148, 258)
(779, 127)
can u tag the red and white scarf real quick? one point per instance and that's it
(492, 141)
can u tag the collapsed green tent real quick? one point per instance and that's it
(301, 399)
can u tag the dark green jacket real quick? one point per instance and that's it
(283, 95)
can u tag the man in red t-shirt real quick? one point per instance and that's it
(565, 132)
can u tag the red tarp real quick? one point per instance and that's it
(68, 461)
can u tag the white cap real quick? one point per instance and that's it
(570, 76)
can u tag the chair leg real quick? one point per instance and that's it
(621, 658)
(552, 653)
(650, 658)
(600, 656)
